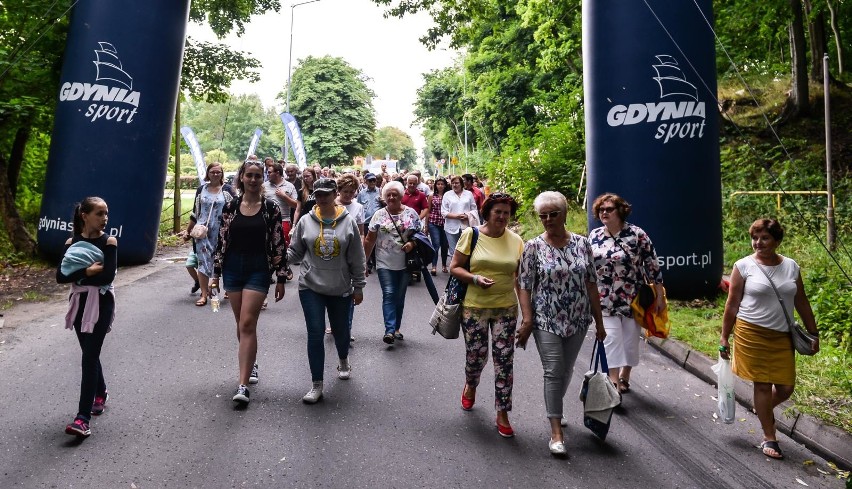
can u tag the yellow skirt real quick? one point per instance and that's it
(763, 355)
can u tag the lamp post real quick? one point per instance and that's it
(290, 63)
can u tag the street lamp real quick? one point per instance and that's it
(290, 62)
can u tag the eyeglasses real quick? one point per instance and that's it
(608, 210)
(551, 215)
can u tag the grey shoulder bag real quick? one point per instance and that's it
(802, 340)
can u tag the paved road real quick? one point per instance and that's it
(170, 422)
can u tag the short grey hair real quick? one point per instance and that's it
(550, 198)
(392, 185)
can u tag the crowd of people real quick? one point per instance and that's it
(341, 228)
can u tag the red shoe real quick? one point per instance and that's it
(467, 404)
(505, 431)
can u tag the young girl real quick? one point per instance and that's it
(89, 265)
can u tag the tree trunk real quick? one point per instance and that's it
(16, 158)
(816, 35)
(18, 234)
(835, 29)
(797, 104)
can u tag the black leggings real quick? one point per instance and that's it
(92, 382)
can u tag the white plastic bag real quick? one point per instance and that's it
(727, 401)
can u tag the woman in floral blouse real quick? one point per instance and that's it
(559, 299)
(389, 232)
(624, 258)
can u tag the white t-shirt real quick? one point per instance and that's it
(456, 204)
(759, 304)
(389, 254)
(356, 210)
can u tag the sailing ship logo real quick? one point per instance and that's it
(109, 67)
(671, 80)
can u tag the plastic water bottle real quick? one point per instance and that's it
(214, 300)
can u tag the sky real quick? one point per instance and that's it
(385, 50)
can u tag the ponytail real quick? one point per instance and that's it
(86, 205)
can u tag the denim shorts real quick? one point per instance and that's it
(246, 271)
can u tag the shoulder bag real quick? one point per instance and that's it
(803, 342)
(598, 395)
(199, 231)
(446, 319)
(643, 302)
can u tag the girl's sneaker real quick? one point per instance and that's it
(79, 427)
(99, 405)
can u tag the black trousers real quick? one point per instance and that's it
(92, 381)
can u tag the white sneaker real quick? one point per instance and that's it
(557, 447)
(315, 394)
(564, 421)
(344, 370)
(328, 330)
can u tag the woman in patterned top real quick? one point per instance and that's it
(250, 248)
(388, 233)
(436, 224)
(559, 299)
(624, 259)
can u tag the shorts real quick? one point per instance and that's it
(249, 271)
(192, 260)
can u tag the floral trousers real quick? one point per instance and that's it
(502, 322)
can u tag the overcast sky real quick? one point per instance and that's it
(386, 50)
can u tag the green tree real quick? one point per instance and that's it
(396, 143)
(334, 107)
(229, 126)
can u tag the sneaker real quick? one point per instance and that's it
(328, 330)
(388, 338)
(344, 370)
(79, 427)
(100, 404)
(253, 378)
(557, 448)
(351, 338)
(315, 394)
(242, 395)
(265, 304)
(398, 336)
(563, 422)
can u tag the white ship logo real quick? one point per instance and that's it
(109, 66)
(671, 80)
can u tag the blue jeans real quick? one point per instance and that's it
(452, 241)
(315, 305)
(439, 239)
(394, 284)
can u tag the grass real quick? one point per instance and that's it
(824, 384)
(167, 217)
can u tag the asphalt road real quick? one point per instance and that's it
(171, 370)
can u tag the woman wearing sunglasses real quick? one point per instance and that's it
(250, 248)
(559, 300)
(490, 267)
(624, 259)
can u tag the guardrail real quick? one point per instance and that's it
(779, 193)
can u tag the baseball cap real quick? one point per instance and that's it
(324, 186)
(369, 176)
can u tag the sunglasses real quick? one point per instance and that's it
(501, 198)
(608, 210)
(551, 215)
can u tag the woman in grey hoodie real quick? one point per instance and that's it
(328, 244)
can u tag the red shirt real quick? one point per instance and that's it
(417, 201)
(478, 196)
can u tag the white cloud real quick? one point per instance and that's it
(386, 50)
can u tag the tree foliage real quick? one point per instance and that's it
(334, 108)
(397, 144)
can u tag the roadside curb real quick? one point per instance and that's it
(830, 442)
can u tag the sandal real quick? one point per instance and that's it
(623, 385)
(445, 270)
(434, 271)
(770, 446)
(201, 302)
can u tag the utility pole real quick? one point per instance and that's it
(831, 231)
